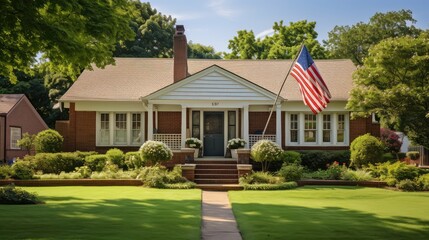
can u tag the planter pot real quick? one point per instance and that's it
(234, 153)
(196, 153)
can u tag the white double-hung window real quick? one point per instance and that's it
(120, 129)
(324, 129)
(15, 136)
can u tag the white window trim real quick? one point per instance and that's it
(12, 129)
(112, 120)
(319, 139)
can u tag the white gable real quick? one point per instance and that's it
(214, 84)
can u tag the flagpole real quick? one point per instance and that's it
(278, 94)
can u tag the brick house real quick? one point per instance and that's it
(17, 116)
(141, 99)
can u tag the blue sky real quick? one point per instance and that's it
(214, 22)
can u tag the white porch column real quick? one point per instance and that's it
(149, 121)
(246, 124)
(279, 124)
(183, 131)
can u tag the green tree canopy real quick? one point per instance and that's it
(353, 42)
(394, 84)
(196, 50)
(153, 33)
(284, 43)
(72, 35)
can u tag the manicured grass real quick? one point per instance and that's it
(104, 213)
(331, 213)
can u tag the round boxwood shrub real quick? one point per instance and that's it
(96, 162)
(48, 141)
(266, 151)
(133, 160)
(22, 170)
(116, 156)
(155, 152)
(5, 172)
(366, 149)
(292, 172)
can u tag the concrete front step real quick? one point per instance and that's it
(216, 166)
(219, 187)
(216, 171)
(216, 176)
(215, 181)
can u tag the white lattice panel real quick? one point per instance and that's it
(173, 141)
(253, 138)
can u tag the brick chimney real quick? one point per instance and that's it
(180, 49)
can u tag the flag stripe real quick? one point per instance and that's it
(314, 91)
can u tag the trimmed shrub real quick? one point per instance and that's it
(278, 186)
(133, 160)
(116, 156)
(259, 178)
(413, 155)
(315, 159)
(48, 141)
(401, 171)
(266, 151)
(408, 185)
(5, 172)
(356, 175)
(56, 162)
(155, 152)
(291, 157)
(366, 149)
(423, 182)
(292, 172)
(22, 170)
(96, 162)
(159, 177)
(12, 195)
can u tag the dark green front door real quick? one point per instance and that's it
(213, 134)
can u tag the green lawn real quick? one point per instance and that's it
(104, 213)
(331, 213)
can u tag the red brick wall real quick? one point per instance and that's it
(361, 126)
(63, 128)
(257, 121)
(85, 131)
(170, 122)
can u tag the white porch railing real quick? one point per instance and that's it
(253, 138)
(173, 141)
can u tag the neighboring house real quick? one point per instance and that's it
(17, 116)
(140, 99)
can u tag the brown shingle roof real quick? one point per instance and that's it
(132, 78)
(8, 101)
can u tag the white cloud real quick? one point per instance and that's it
(185, 16)
(264, 33)
(220, 8)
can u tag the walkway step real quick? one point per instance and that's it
(215, 181)
(216, 171)
(218, 219)
(219, 187)
(223, 161)
(216, 166)
(216, 176)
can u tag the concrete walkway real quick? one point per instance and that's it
(218, 219)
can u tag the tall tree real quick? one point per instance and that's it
(243, 46)
(71, 34)
(153, 33)
(354, 41)
(284, 43)
(196, 50)
(394, 83)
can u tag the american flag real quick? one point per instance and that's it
(314, 91)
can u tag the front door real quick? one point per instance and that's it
(213, 134)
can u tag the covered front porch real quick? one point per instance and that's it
(214, 106)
